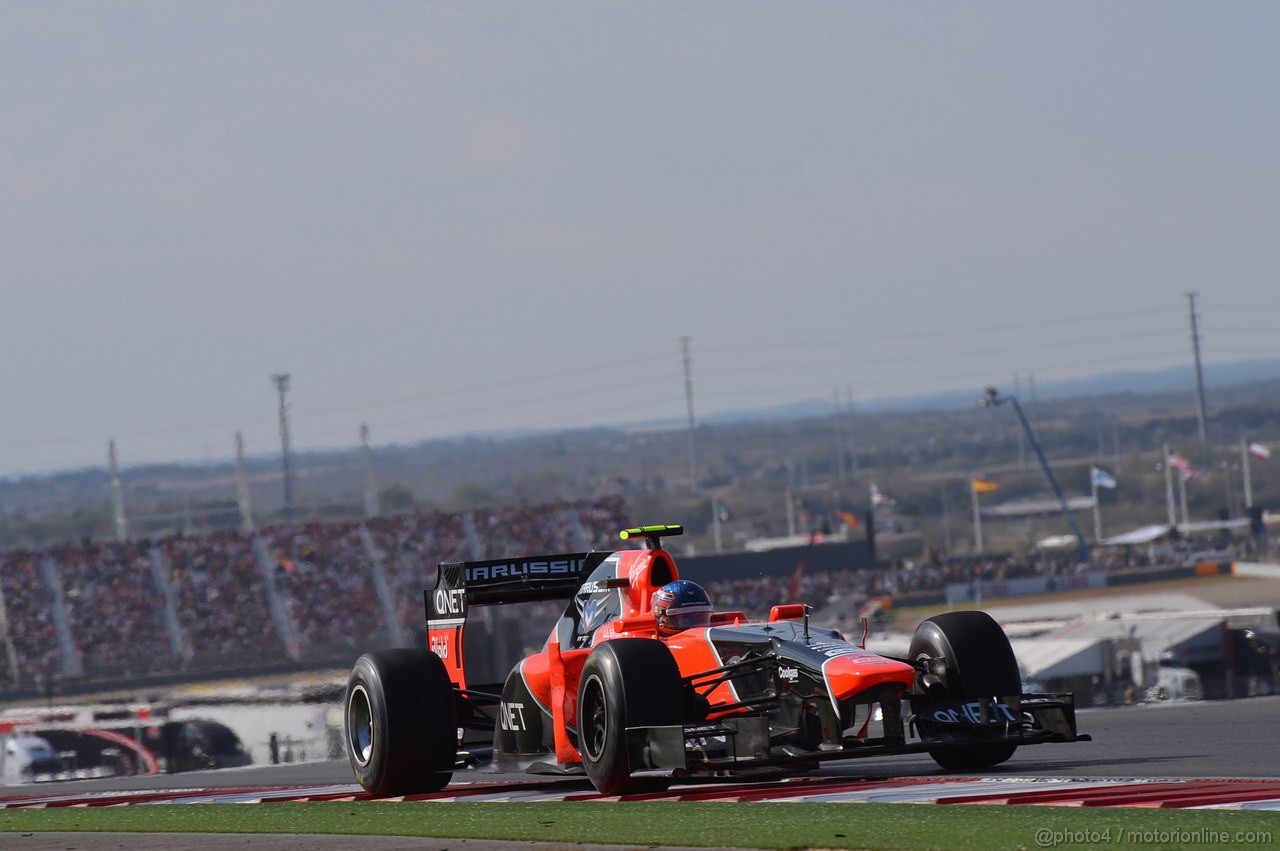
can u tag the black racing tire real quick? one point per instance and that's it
(400, 722)
(979, 662)
(626, 682)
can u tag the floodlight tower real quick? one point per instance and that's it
(282, 387)
(993, 399)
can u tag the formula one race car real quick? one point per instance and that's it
(613, 696)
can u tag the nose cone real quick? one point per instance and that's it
(856, 672)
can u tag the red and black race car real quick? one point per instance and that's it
(611, 696)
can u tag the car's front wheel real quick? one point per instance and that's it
(626, 682)
(977, 661)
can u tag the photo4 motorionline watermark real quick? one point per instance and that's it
(1046, 838)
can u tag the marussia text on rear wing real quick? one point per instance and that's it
(460, 585)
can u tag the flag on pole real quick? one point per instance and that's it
(981, 485)
(1257, 450)
(878, 497)
(722, 512)
(1181, 464)
(977, 485)
(800, 509)
(1101, 478)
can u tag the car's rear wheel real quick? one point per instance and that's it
(977, 662)
(400, 722)
(626, 682)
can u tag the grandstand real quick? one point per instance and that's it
(302, 594)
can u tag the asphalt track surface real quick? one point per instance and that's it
(1211, 739)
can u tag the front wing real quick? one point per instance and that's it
(744, 742)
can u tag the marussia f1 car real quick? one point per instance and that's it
(610, 697)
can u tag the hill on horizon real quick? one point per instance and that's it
(1170, 380)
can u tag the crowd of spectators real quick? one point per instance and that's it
(31, 642)
(935, 573)
(232, 600)
(325, 579)
(755, 596)
(111, 597)
(409, 547)
(222, 600)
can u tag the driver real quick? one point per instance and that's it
(681, 605)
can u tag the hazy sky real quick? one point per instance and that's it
(457, 217)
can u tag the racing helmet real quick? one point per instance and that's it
(681, 605)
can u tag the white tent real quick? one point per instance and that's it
(1156, 633)
(1036, 507)
(1048, 658)
(1142, 535)
(1058, 542)
(1078, 646)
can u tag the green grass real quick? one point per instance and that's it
(756, 825)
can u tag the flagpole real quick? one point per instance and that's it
(1097, 514)
(1182, 494)
(715, 523)
(1248, 480)
(977, 517)
(946, 520)
(1168, 487)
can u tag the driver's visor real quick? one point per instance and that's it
(686, 617)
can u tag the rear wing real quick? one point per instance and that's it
(461, 585)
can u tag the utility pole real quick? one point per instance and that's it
(117, 494)
(946, 519)
(282, 387)
(1244, 469)
(688, 397)
(840, 438)
(1022, 438)
(853, 444)
(370, 484)
(1115, 443)
(1195, 350)
(242, 488)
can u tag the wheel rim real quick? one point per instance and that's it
(935, 665)
(595, 721)
(360, 728)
